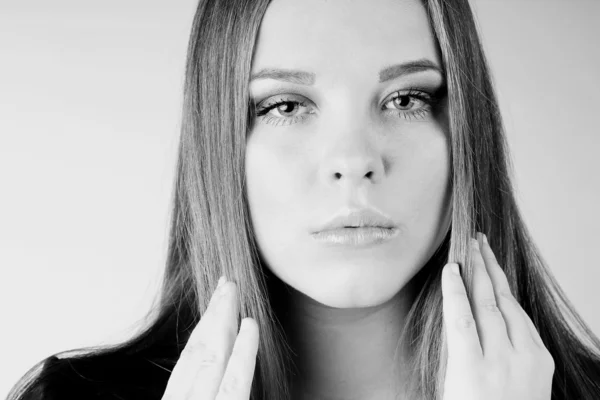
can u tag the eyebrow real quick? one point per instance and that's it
(309, 78)
(286, 75)
(407, 68)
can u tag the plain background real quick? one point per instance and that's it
(90, 98)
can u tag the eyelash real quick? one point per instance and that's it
(262, 112)
(429, 101)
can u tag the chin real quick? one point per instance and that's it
(343, 297)
(356, 284)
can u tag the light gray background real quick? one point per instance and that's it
(89, 117)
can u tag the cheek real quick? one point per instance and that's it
(426, 178)
(430, 205)
(274, 184)
(419, 181)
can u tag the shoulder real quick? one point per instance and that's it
(104, 376)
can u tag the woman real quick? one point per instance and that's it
(361, 146)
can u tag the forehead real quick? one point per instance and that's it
(339, 39)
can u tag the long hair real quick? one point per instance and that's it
(211, 232)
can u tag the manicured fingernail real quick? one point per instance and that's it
(221, 281)
(485, 238)
(454, 268)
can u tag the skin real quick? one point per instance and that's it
(347, 145)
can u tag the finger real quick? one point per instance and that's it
(461, 333)
(237, 381)
(516, 325)
(200, 367)
(219, 336)
(490, 321)
(185, 369)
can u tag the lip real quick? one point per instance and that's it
(357, 227)
(358, 218)
(356, 236)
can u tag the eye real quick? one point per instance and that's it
(283, 111)
(410, 104)
(404, 102)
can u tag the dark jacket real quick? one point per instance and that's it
(115, 377)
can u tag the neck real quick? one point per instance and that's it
(351, 353)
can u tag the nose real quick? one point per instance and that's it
(353, 161)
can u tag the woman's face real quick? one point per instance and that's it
(357, 127)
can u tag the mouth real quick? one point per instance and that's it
(355, 235)
(358, 218)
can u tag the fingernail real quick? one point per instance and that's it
(485, 238)
(221, 281)
(454, 268)
(475, 242)
(244, 324)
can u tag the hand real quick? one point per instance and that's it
(209, 368)
(494, 352)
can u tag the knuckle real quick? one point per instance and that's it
(465, 322)
(456, 296)
(489, 304)
(230, 385)
(505, 303)
(534, 359)
(506, 294)
(208, 359)
(548, 360)
(193, 348)
(201, 351)
(506, 297)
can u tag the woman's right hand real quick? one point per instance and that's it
(217, 363)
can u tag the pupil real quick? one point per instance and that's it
(403, 101)
(286, 107)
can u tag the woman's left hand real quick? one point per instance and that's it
(494, 349)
